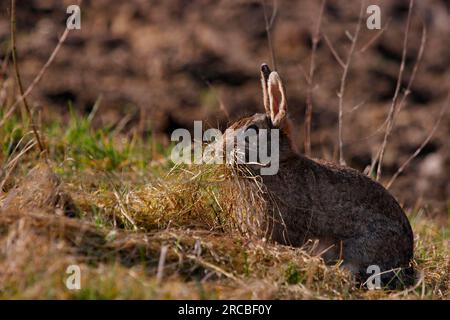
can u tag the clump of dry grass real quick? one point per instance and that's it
(215, 198)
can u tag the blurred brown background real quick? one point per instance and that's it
(187, 60)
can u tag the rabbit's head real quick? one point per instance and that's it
(265, 133)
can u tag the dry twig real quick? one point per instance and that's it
(18, 78)
(310, 80)
(39, 76)
(374, 38)
(420, 148)
(333, 51)
(393, 108)
(341, 93)
(269, 25)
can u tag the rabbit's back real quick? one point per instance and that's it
(340, 207)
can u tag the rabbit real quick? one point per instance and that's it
(354, 218)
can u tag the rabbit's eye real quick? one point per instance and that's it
(253, 127)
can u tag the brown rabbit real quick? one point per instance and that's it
(356, 218)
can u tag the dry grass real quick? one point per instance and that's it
(207, 197)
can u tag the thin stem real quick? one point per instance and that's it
(39, 76)
(374, 38)
(333, 51)
(310, 79)
(420, 148)
(393, 108)
(18, 78)
(269, 24)
(343, 81)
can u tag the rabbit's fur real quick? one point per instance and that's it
(354, 218)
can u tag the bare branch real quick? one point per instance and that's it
(18, 78)
(424, 143)
(373, 134)
(333, 51)
(303, 71)
(274, 13)
(349, 36)
(415, 68)
(407, 90)
(405, 94)
(359, 105)
(374, 38)
(343, 81)
(39, 76)
(312, 67)
(269, 25)
(393, 108)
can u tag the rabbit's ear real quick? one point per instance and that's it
(277, 99)
(265, 72)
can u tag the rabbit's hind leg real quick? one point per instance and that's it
(357, 254)
(367, 256)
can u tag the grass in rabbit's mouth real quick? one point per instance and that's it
(144, 228)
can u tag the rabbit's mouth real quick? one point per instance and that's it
(253, 148)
